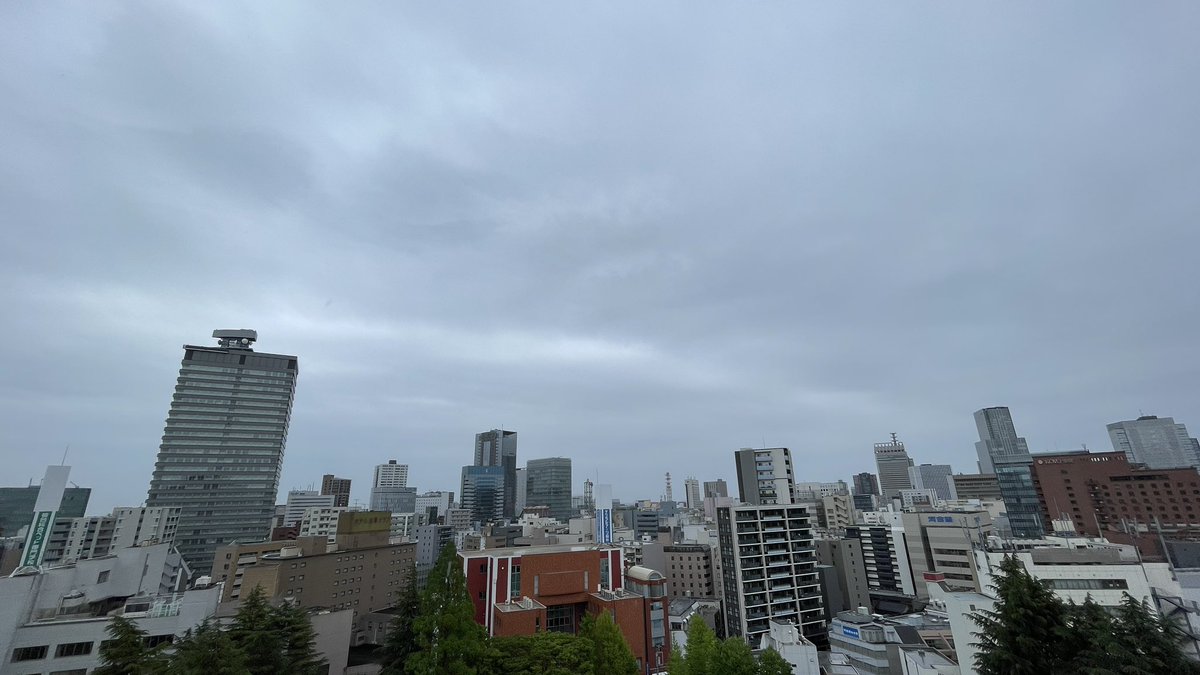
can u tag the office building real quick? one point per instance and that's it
(321, 521)
(338, 487)
(892, 462)
(522, 591)
(222, 447)
(439, 500)
(944, 542)
(876, 645)
(865, 483)
(499, 448)
(299, 501)
(688, 568)
(845, 563)
(394, 499)
(390, 475)
(16, 506)
(1157, 442)
(934, 477)
(482, 493)
(88, 537)
(548, 483)
(890, 582)
(981, 486)
(716, 488)
(865, 502)
(1002, 452)
(691, 489)
(769, 570)
(764, 476)
(522, 491)
(816, 490)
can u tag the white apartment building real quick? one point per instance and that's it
(93, 536)
(321, 521)
(768, 570)
(390, 475)
(299, 501)
(440, 499)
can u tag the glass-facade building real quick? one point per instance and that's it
(16, 506)
(548, 483)
(222, 448)
(498, 447)
(483, 493)
(1002, 452)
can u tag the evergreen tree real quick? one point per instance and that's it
(448, 640)
(1153, 642)
(208, 650)
(543, 653)
(1091, 642)
(772, 663)
(702, 646)
(610, 653)
(299, 641)
(125, 652)
(401, 640)
(1024, 634)
(256, 633)
(734, 658)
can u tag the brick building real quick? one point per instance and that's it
(1105, 495)
(525, 590)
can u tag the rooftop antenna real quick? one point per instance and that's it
(65, 451)
(893, 438)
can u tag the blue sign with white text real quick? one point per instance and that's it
(850, 632)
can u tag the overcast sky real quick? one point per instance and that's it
(642, 236)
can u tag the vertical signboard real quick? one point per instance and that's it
(604, 525)
(50, 495)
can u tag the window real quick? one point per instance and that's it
(73, 649)
(30, 653)
(102, 577)
(153, 641)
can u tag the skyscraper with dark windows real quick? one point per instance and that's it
(548, 483)
(499, 448)
(222, 447)
(1002, 452)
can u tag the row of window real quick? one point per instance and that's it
(63, 650)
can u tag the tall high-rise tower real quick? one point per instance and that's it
(499, 448)
(548, 483)
(765, 475)
(892, 462)
(222, 448)
(1002, 452)
(1157, 442)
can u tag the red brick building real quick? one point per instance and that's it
(521, 591)
(1107, 496)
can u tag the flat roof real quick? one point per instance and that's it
(535, 550)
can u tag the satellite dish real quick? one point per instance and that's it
(245, 341)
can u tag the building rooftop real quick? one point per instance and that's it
(536, 550)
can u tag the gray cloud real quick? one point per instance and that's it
(641, 236)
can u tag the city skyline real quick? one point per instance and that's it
(804, 227)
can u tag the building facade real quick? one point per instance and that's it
(945, 542)
(981, 486)
(16, 506)
(934, 477)
(892, 462)
(845, 559)
(498, 447)
(394, 499)
(338, 487)
(300, 501)
(482, 493)
(691, 488)
(865, 483)
(548, 483)
(688, 568)
(769, 570)
(222, 447)
(1002, 452)
(390, 475)
(76, 539)
(716, 488)
(1157, 442)
(765, 475)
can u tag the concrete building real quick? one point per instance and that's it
(890, 580)
(944, 542)
(390, 475)
(222, 447)
(688, 568)
(1157, 442)
(893, 462)
(806, 491)
(339, 488)
(793, 647)
(844, 558)
(16, 506)
(865, 483)
(1003, 453)
(431, 539)
(440, 500)
(522, 490)
(934, 477)
(482, 492)
(458, 519)
(300, 501)
(548, 483)
(321, 521)
(769, 570)
(691, 488)
(715, 488)
(394, 499)
(55, 621)
(764, 476)
(982, 486)
(551, 588)
(498, 448)
(91, 537)
(877, 645)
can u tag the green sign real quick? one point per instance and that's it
(35, 544)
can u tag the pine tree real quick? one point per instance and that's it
(702, 646)
(734, 658)
(1023, 635)
(1152, 642)
(772, 663)
(125, 652)
(208, 650)
(256, 633)
(610, 653)
(449, 642)
(1091, 642)
(299, 641)
(401, 639)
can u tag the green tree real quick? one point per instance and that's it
(734, 658)
(545, 653)
(208, 650)
(401, 639)
(257, 634)
(1091, 642)
(1023, 634)
(702, 647)
(448, 640)
(610, 653)
(125, 652)
(1151, 643)
(677, 665)
(299, 641)
(772, 663)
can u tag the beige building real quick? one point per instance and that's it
(944, 542)
(688, 568)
